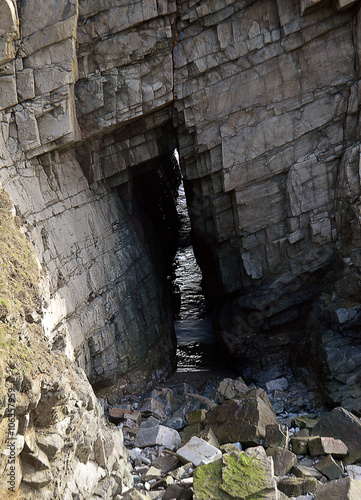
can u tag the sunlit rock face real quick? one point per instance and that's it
(261, 98)
(86, 206)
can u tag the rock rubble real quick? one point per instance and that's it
(268, 454)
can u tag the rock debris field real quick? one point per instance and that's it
(233, 441)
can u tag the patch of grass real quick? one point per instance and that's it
(19, 295)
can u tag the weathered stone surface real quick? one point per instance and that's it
(283, 460)
(295, 486)
(340, 488)
(199, 452)
(299, 445)
(237, 475)
(158, 435)
(305, 471)
(276, 435)
(152, 407)
(230, 389)
(327, 446)
(244, 420)
(341, 424)
(329, 467)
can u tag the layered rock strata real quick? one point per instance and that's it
(262, 99)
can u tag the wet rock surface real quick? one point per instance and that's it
(277, 454)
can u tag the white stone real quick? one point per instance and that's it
(199, 452)
(158, 436)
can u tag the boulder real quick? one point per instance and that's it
(299, 445)
(329, 468)
(117, 415)
(178, 492)
(305, 471)
(244, 420)
(283, 460)
(196, 416)
(230, 389)
(199, 452)
(295, 486)
(340, 489)
(306, 421)
(341, 424)
(354, 471)
(152, 407)
(158, 435)
(276, 435)
(327, 446)
(237, 475)
(279, 384)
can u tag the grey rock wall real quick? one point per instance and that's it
(262, 98)
(267, 107)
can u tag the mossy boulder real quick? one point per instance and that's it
(236, 476)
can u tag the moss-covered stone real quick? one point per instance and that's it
(237, 477)
(207, 480)
(242, 476)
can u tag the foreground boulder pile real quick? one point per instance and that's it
(230, 443)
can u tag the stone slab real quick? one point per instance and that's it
(158, 435)
(199, 452)
(330, 468)
(340, 489)
(327, 446)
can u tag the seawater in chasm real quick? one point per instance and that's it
(197, 350)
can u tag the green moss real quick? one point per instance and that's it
(242, 476)
(235, 476)
(207, 480)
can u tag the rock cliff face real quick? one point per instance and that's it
(267, 105)
(262, 100)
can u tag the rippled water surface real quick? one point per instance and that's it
(197, 349)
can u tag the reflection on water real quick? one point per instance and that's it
(197, 349)
(188, 282)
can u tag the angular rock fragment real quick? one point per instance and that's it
(199, 452)
(166, 463)
(152, 407)
(276, 435)
(305, 471)
(340, 489)
(117, 415)
(196, 416)
(295, 486)
(327, 446)
(244, 420)
(230, 389)
(354, 471)
(175, 491)
(329, 468)
(150, 422)
(306, 421)
(236, 475)
(283, 460)
(158, 435)
(279, 384)
(299, 445)
(341, 424)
